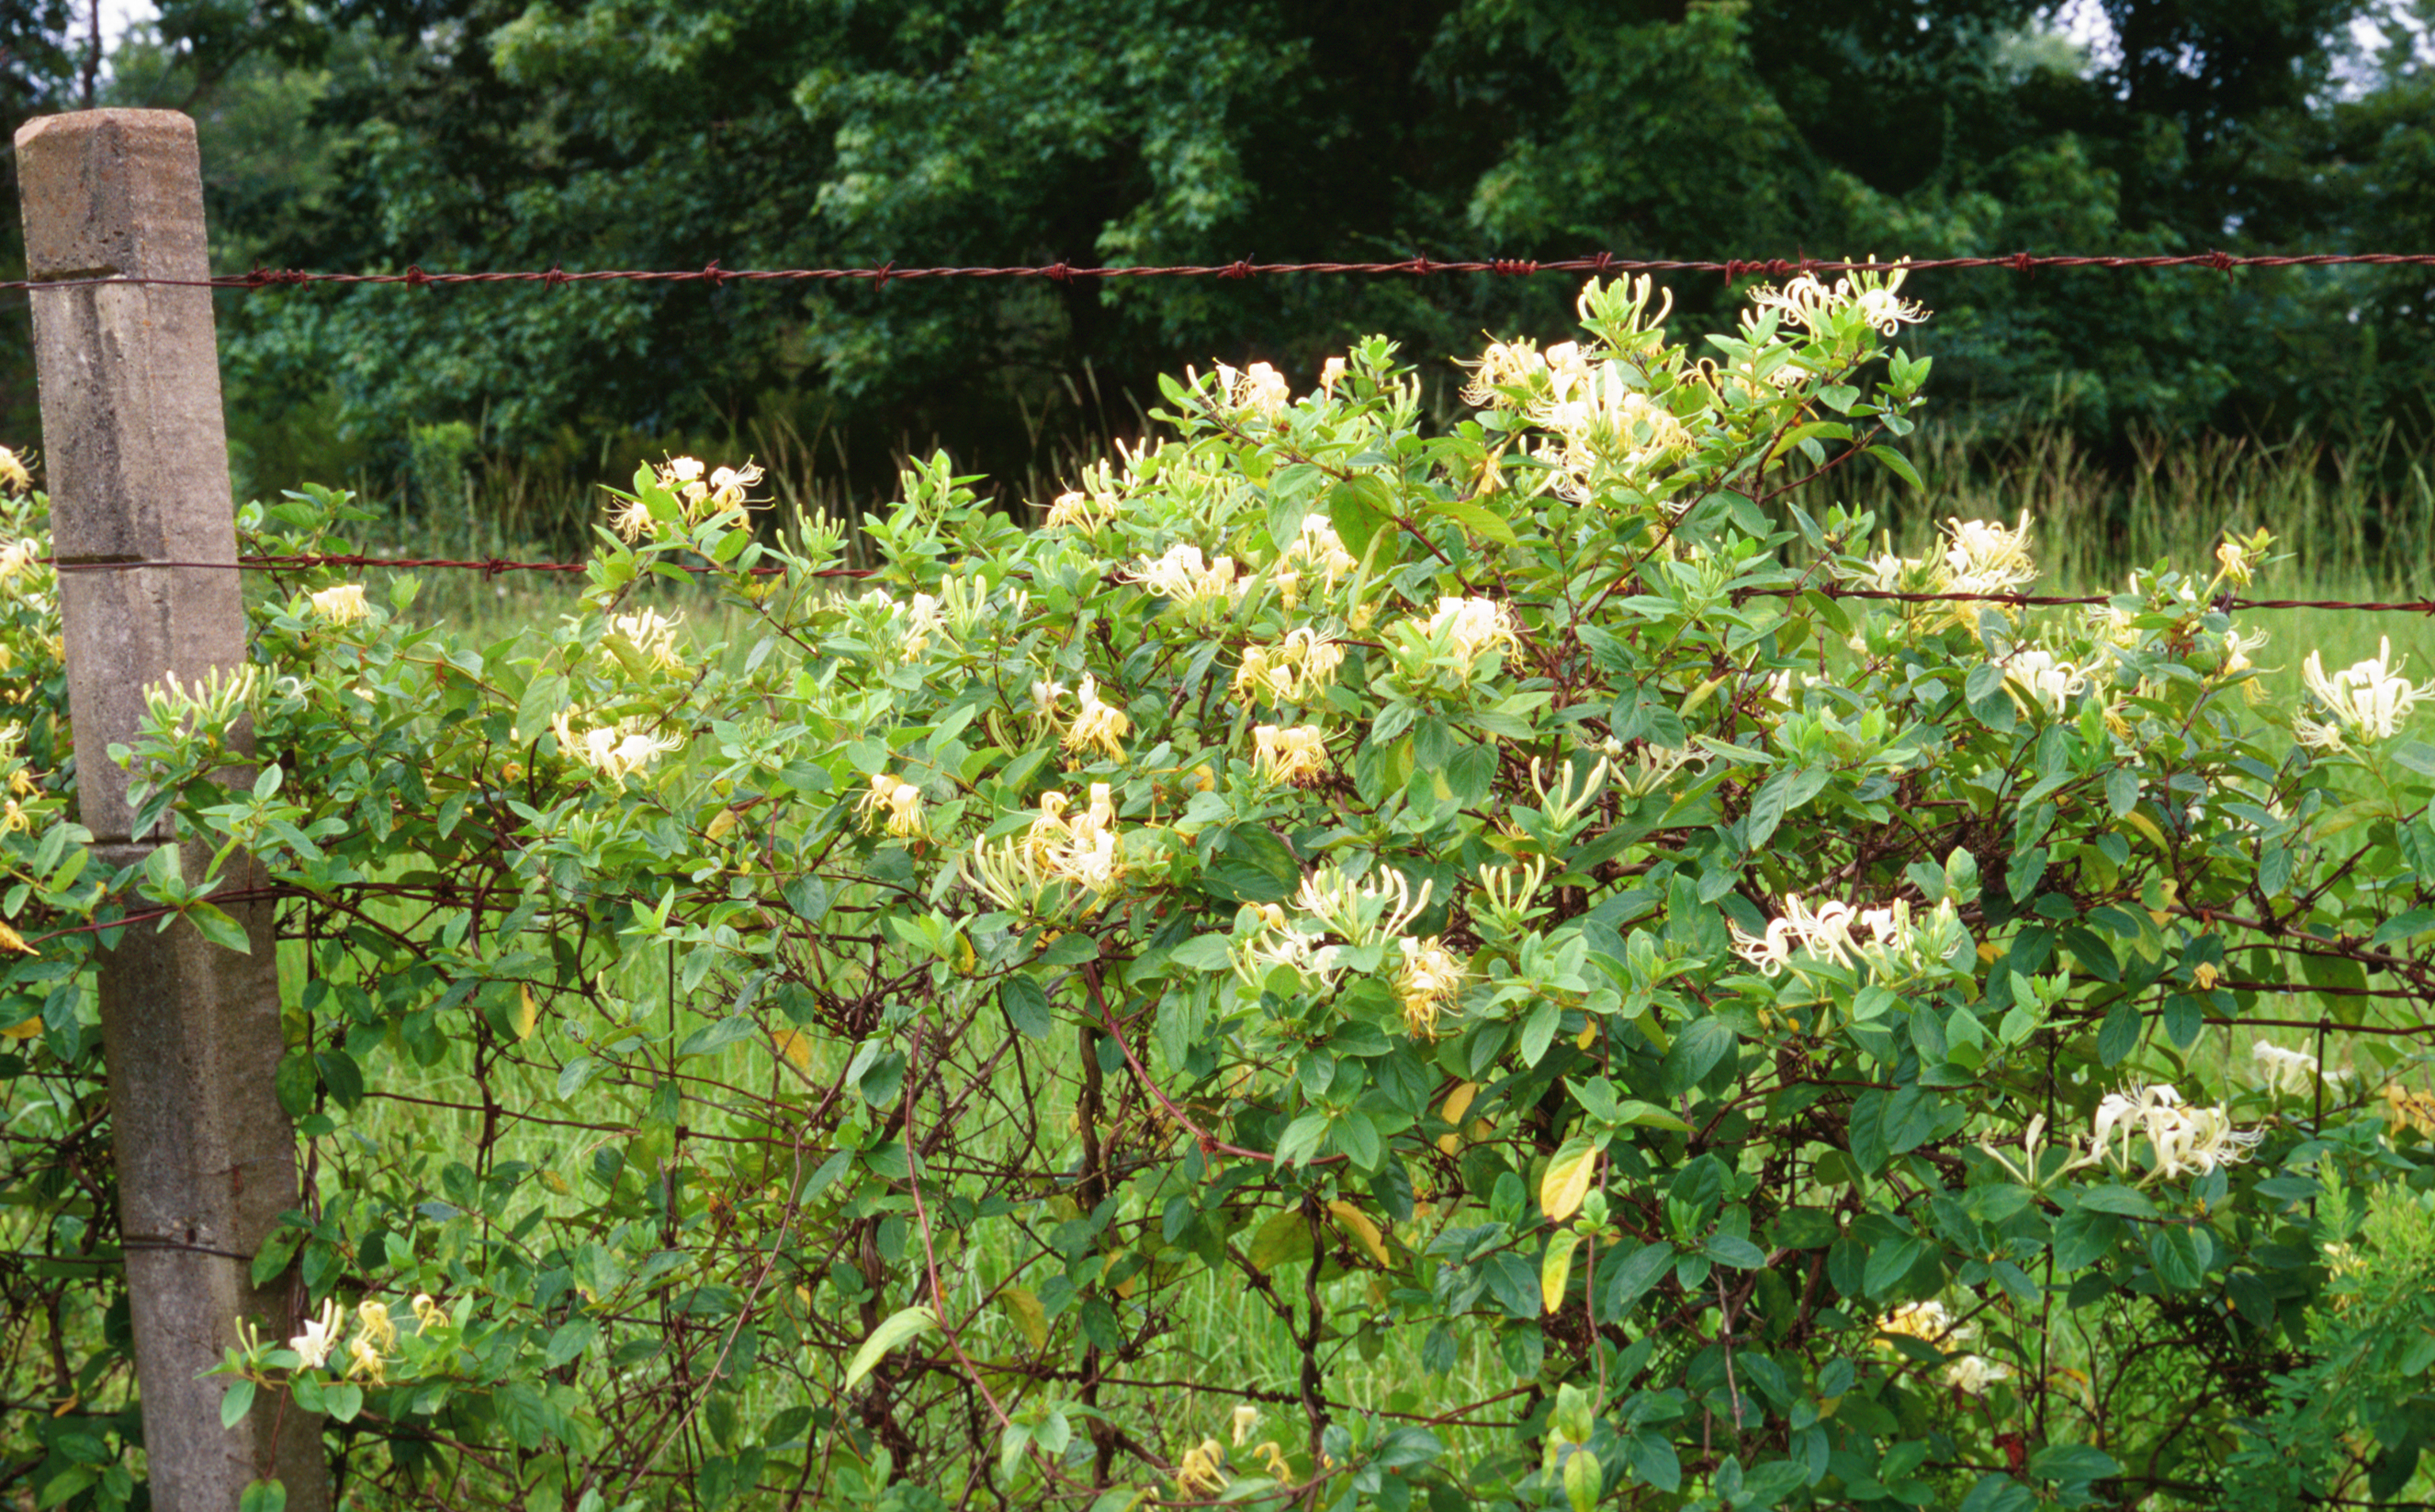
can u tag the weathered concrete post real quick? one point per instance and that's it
(137, 461)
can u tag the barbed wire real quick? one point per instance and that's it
(1601, 264)
(492, 566)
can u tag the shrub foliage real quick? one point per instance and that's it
(1350, 967)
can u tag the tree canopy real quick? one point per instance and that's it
(772, 133)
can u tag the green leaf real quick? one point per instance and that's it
(1472, 517)
(1359, 508)
(2119, 1034)
(218, 927)
(1984, 690)
(2402, 927)
(263, 1496)
(1695, 1053)
(342, 1401)
(235, 1402)
(1254, 867)
(897, 1330)
(1897, 464)
(1025, 1007)
(717, 1036)
(277, 1249)
(1999, 1493)
(2073, 1462)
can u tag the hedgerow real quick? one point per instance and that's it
(1350, 967)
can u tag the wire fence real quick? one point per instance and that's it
(493, 566)
(1601, 264)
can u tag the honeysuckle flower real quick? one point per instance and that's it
(2181, 1141)
(17, 557)
(1425, 983)
(1603, 422)
(2290, 1073)
(2366, 701)
(1377, 907)
(1331, 372)
(1095, 724)
(1974, 1374)
(2034, 677)
(897, 799)
(1283, 945)
(1246, 1415)
(1883, 308)
(1473, 626)
(1504, 365)
(1080, 510)
(365, 1361)
(681, 470)
(632, 520)
(2405, 1108)
(727, 484)
(921, 619)
(1318, 547)
(1181, 576)
(1295, 668)
(1926, 1321)
(221, 695)
(1896, 948)
(1294, 753)
(12, 471)
(428, 1313)
(1262, 389)
(1046, 695)
(342, 605)
(1803, 302)
(652, 634)
(1983, 557)
(373, 1318)
(1202, 1472)
(614, 752)
(320, 1335)
(2236, 648)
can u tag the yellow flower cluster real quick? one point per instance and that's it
(1317, 548)
(1295, 754)
(652, 636)
(1425, 983)
(900, 802)
(1473, 626)
(12, 472)
(616, 751)
(1181, 576)
(343, 605)
(1295, 668)
(1061, 846)
(1096, 725)
(2366, 701)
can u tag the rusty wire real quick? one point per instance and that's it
(492, 566)
(1600, 264)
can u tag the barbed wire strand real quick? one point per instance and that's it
(1601, 264)
(492, 566)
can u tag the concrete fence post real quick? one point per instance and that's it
(136, 455)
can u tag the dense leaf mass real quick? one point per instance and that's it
(379, 134)
(1359, 966)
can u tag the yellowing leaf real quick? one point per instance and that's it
(791, 1045)
(1286, 1236)
(527, 1014)
(10, 939)
(2145, 826)
(899, 1328)
(556, 1182)
(719, 824)
(1556, 1268)
(1568, 1180)
(1457, 1104)
(1588, 1036)
(1030, 1318)
(23, 1031)
(1356, 1223)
